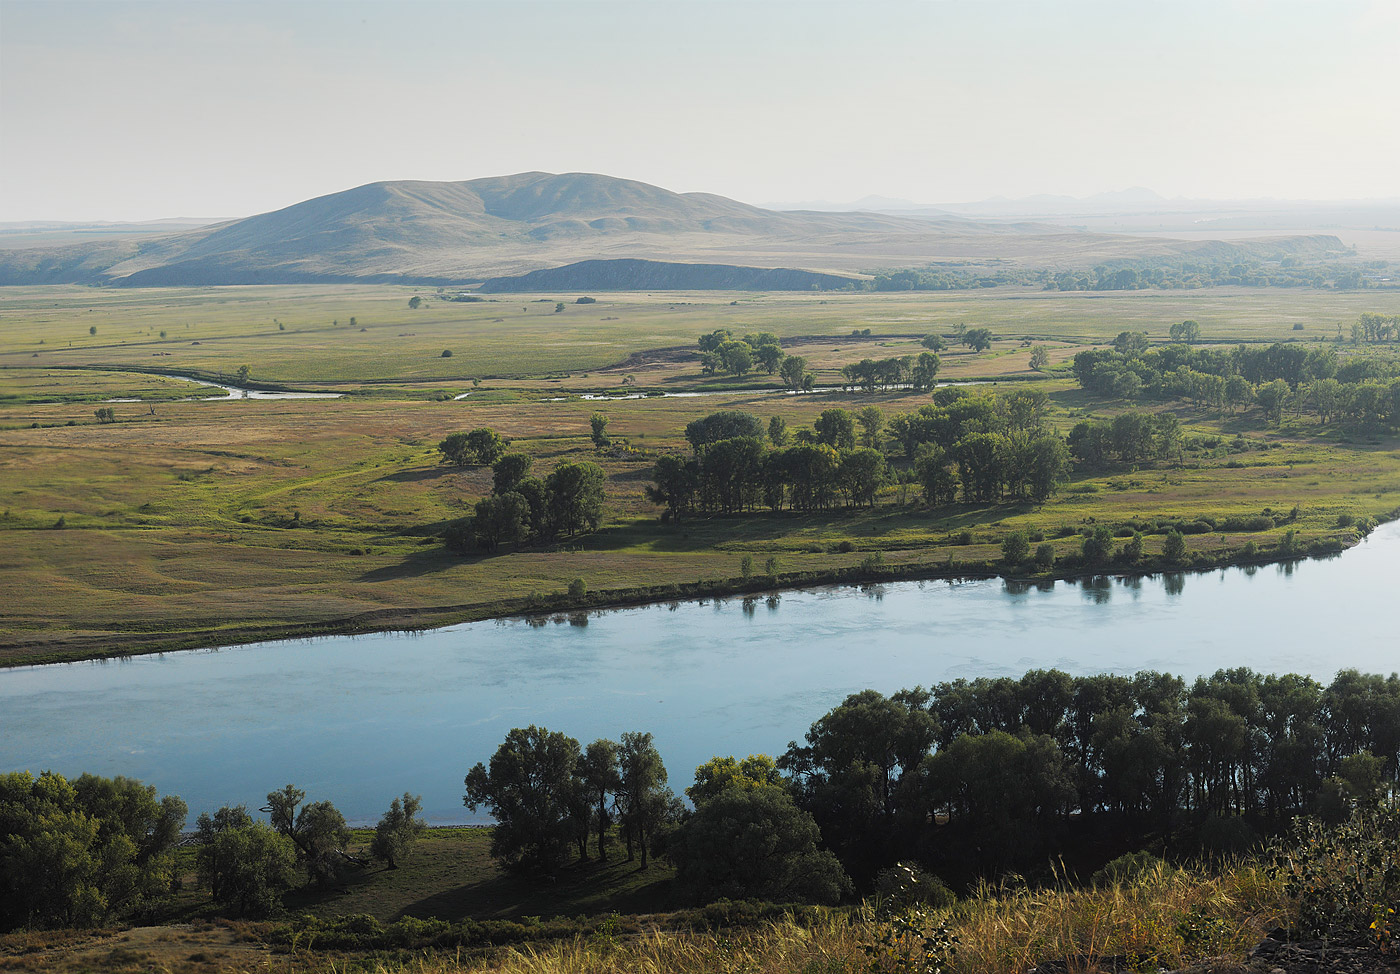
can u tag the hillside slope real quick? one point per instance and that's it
(455, 232)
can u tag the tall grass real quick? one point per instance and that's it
(1163, 918)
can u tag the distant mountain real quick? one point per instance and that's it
(655, 275)
(414, 232)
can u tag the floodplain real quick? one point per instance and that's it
(187, 523)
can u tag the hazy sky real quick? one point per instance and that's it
(121, 110)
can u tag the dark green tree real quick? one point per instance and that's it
(754, 843)
(528, 789)
(598, 423)
(247, 864)
(509, 471)
(478, 446)
(575, 493)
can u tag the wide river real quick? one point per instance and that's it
(361, 719)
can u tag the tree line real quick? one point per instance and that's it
(989, 447)
(80, 853)
(1277, 378)
(968, 777)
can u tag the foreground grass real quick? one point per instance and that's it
(1167, 919)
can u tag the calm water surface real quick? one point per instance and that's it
(361, 719)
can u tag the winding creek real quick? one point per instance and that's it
(360, 719)
(230, 392)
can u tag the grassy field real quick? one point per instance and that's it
(194, 523)
(303, 335)
(1201, 920)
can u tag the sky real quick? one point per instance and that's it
(118, 110)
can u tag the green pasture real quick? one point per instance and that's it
(302, 336)
(212, 522)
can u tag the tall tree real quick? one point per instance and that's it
(528, 788)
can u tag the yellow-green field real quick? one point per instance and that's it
(193, 522)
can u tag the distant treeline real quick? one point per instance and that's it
(1167, 274)
(1279, 378)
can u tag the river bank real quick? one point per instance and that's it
(871, 571)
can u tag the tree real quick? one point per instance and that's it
(769, 356)
(936, 479)
(675, 479)
(501, 519)
(836, 428)
(1047, 466)
(246, 864)
(317, 830)
(721, 773)
(1186, 331)
(243, 372)
(479, 446)
(933, 343)
(872, 421)
(1098, 546)
(1174, 547)
(644, 800)
(398, 830)
(1271, 397)
(736, 358)
(415, 302)
(1130, 344)
(601, 778)
(777, 431)
(575, 497)
(977, 339)
(755, 843)
(716, 338)
(558, 306)
(1040, 358)
(862, 473)
(528, 788)
(76, 853)
(792, 371)
(925, 372)
(1015, 548)
(599, 425)
(509, 471)
(727, 424)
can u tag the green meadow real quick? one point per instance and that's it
(189, 523)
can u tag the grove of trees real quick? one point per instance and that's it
(1278, 378)
(989, 446)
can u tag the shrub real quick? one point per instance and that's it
(1343, 879)
(1015, 549)
(447, 353)
(578, 589)
(1045, 555)
(1126, 869)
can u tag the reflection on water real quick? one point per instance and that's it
(361, 719)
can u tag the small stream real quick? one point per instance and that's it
(230, 392)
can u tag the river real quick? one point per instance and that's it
(361, 719)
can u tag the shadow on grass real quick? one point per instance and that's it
(581, 889)
(419, 563)
(419, 474)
